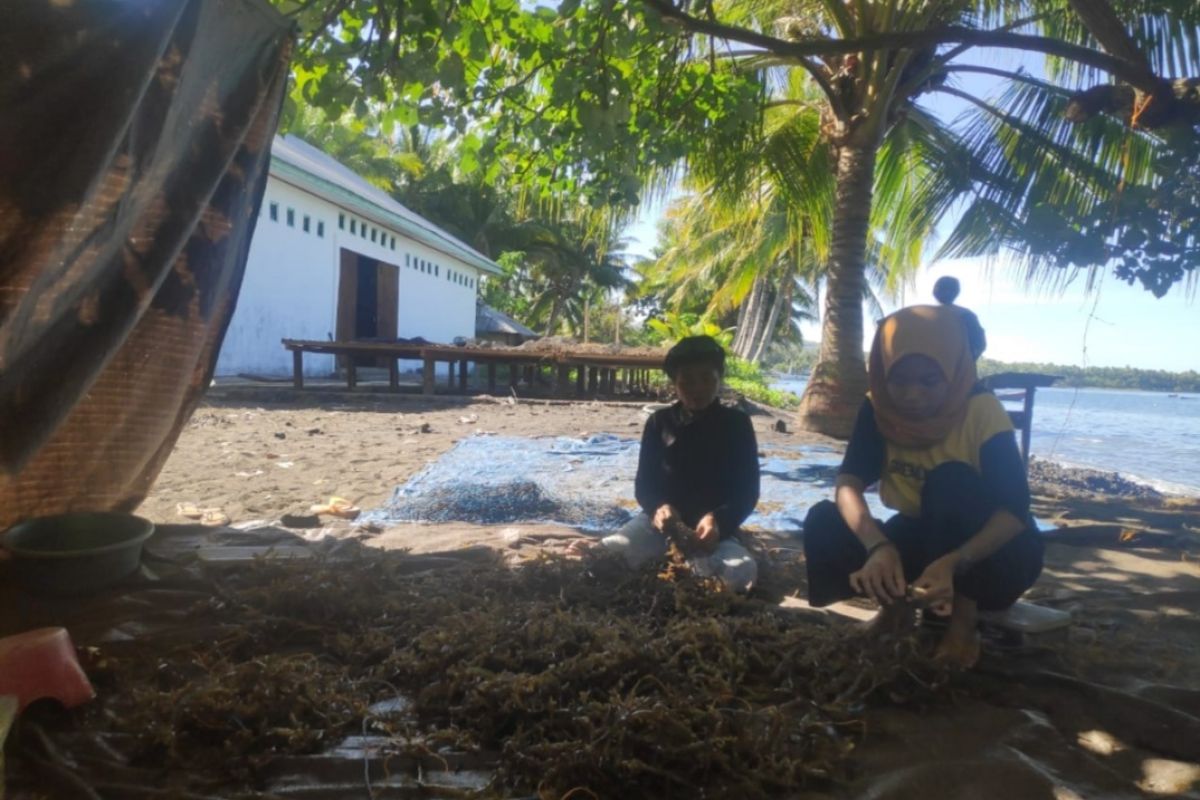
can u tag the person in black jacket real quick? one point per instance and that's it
(698, 468)
(943, 452)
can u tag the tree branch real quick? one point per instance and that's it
(955, 52)
(1108, 29)
(770, 59)
(901, 40)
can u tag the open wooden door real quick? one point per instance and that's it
(347, 299)
(368, 304)
(388, 300)
(387, 305)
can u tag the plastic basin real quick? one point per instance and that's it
(76, 553)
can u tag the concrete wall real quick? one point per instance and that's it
(291, 285)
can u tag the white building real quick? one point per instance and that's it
(334, 257)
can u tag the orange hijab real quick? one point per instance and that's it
(936, 332)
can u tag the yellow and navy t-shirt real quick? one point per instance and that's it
(984, 440)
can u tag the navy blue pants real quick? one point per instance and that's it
(955, 505)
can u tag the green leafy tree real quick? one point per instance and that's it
(598, 97)
(390, 164)
(671, 327)
(1151, 380)
(570, 264)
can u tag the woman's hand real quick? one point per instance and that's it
(708, 533)
(882, 577)
(936, 584)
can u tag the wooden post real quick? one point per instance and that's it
(562, 380)
(491, 370)
(429, 376)
(580, 389)
(450, 376)
(298, 368)
(529, 375)
(351, 373)
(593, 375)
(394, 374)
(462, 376)
(1027, 429)
(514, 375)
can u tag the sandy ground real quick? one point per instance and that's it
(1127, 568)
(260, 454)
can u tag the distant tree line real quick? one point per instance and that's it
(796, 359)
(1151, 380)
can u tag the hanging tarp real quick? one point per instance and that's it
(134, 147)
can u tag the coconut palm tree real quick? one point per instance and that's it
(596, 96)
(762, 243)
(568, 263)
(874, 60)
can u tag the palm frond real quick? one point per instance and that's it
(1031, 172)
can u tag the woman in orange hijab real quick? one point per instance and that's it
(944, 454)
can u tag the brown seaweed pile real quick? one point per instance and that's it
(576, 679)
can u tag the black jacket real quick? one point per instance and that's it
(704, 463)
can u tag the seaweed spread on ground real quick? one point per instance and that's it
(572, 678)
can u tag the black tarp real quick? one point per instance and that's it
(134, 149)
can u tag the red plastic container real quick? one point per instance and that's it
(41, 664)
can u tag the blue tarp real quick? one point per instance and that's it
(586, 483)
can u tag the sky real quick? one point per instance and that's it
(1116, 325)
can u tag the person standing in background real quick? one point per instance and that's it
(946, 291)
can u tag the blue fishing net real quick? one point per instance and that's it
(586, 483)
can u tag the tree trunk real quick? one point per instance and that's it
(739, 334)
(555, 310)
(767, 331)
(839, 380)
(783, 298)
(748, 332)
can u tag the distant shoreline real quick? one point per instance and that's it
(1064, 384)
(1113, 480)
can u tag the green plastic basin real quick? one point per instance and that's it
(76, 553)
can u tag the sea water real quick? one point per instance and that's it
(1149, 437)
